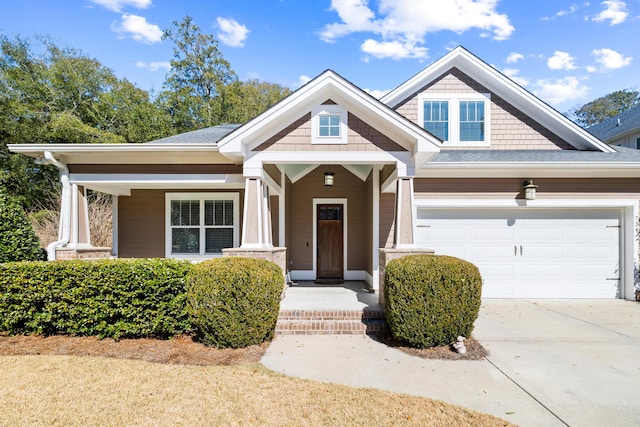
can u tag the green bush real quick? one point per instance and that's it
(108, 298)
(431, 299)
(233, 302)
(18, 241)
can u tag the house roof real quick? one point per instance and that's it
(502, 86)
(617, 126)
(330, 85)
(621, 155)
(201, 136)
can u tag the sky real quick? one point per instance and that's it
(566, 52)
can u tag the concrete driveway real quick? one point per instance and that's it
(551, 363)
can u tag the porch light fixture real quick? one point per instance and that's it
(529, 189)
(328, 179)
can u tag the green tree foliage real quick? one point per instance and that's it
(604, 107)
(18, 242)
(242, 101)
(197, 77)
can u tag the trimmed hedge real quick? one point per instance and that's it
(234, 302)
(431, 299)
(108, 298)
(18, 241)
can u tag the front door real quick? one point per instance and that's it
(330, 243)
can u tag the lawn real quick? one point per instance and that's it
(73, 390)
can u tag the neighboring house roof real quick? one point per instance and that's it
(617, 126)
(502, 86)
(201, 136)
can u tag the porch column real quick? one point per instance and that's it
(79, 218)
(256, 222)
(404, 226)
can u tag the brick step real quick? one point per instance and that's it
(328, 322)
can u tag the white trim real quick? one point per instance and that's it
(169, 197)
(329, 110)
(345, 246)
(375, 241)
(629, 238)
(281, 210)
(348, 275)
(114, 226)
(74, 214)
(540, 170)
(454, 100)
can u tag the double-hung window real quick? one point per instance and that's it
(329, 124)
(460, 119)
(200, 225)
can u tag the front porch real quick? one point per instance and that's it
(312, 309)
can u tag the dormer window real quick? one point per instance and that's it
(329, 124)
(460, 119)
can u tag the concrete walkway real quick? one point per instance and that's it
(551, 363)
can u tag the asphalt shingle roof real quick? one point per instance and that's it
(208, 135)
(623, 155)
(610, 129)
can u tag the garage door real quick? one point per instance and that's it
(531, 253)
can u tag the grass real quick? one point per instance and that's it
(78, 390)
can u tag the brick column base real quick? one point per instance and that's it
(82, 253)
(277, 255)
(389, 254)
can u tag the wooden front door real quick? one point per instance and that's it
(330, 243)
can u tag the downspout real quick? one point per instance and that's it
(64, 233)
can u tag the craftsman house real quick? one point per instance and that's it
(331, 183)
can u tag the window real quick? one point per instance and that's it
(460, 119)
(471, 120)
(329, 124)
(201, 224)
(436, 118)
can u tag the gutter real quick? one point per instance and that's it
(64, 232)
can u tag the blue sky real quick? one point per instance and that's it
(566, 52)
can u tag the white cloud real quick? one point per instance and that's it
(117, 5)
(561, 61)
(393, 49)
(572, 9)
(302, 80)
(231, 32)
(609, 59)
(561, 90)
(138, 29)
(403, 24)
(154, 65)
(513, 74)
(376, 93)
(514, 57)
(615, 12)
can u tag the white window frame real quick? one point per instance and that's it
(201, 197)
(454, 100)
(329, 110)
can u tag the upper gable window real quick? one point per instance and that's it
(329, 124)
(460, 119)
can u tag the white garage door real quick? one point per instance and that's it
(531, 253)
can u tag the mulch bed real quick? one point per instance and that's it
(181, 350)
(475, 350)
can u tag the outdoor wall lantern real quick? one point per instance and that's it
(529, 189)
(328, 179)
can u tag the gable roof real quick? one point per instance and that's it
(502, 86)
(201, 136)
(617, 126)
(330, 85)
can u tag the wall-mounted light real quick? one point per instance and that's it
(328, 179)
(529, 189)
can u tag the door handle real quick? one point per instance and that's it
(515, 249)
(520, 250)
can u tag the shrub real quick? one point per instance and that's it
(18, 242)
(431, 299)
(108, 298)
(233, 302)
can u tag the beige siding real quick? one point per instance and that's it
(167, 168)
(297, 137)
(511, 188)
(141, 223)
(273, 172)
(300, 240)
(510, 128)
